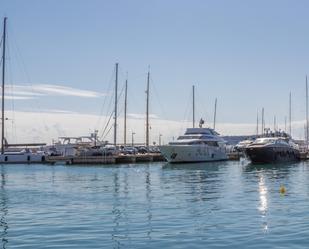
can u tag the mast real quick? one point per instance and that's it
(257, 123)
(3, 81)
(125, 113)
(307, 122)
(275, 123)
(263, 121)
(115, 111)
(147, 111)
(215, 114)
(290, 114)
(285, 123)
(193, 105)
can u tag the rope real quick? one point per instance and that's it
(107, 133)
(25, 71)
(104, 102)
(107, 124)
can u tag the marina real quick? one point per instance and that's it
(154, 124)
(196, 145)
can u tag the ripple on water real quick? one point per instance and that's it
(213, 205)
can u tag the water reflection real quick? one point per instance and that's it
(263, 207)
(116, 210)
(202, 181)
(3, 209)
(268, 176)
(209, 166)
(122, 178)
(281, 168)
(262, 194)
(149, 203)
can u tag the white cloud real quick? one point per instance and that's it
(50, 124)
(141, 116)
(37, 90)
(12, 97)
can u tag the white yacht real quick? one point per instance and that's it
(196, 145)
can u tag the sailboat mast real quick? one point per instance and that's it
(147, 111)
(263, 121)
(193, 105)
(307, 113)
(257, 123)
(215, 114)
(115, 110)
(290, 114)
(3, 83)
(125, 113)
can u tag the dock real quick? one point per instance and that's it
(133, 158)
(117, 159)
(235, 155)
(304, 155)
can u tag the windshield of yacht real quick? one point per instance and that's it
(188, 137)
(265, 140)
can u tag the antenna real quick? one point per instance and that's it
(193, 105)
(290, 114)
(215, 114)
(257, 123)
(263, 124)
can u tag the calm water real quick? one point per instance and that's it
(157, 205)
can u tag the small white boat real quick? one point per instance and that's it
(242, 145)
(23, 156)
(196, 145)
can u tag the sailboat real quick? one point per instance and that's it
(21, 156)
(196, 145)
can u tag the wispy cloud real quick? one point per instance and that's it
(13, 97)
(141, 116)
(49, 124)
(49, 111)
(38, 90)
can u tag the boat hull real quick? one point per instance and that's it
(261, 154)
(192, 153)
(20, 158)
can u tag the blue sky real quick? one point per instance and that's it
(248, 54)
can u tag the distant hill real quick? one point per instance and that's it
(233, 140)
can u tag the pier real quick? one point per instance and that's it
(137, 158)
(118, 159)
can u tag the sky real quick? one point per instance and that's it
(62, 54)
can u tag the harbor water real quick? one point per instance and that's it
(155, 205)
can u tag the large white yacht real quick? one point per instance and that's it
(196, 145)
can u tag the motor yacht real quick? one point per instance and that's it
(196, 145)
(273, 148)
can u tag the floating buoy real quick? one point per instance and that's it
(282, 190)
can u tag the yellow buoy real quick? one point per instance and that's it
(282, 190)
